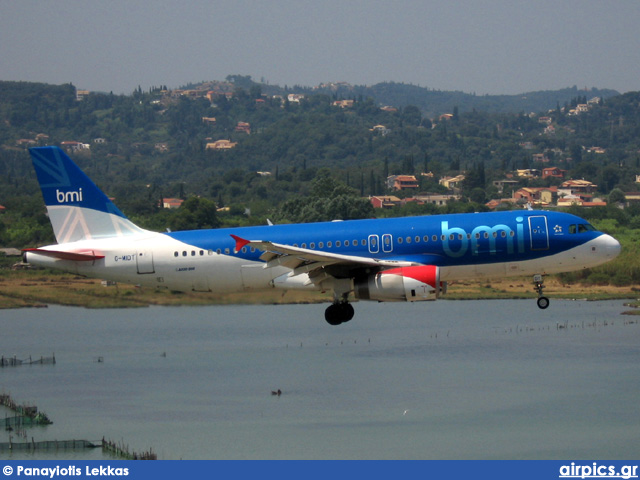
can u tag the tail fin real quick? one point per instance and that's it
(78, 209)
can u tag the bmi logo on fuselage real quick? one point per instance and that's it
(69, 197)
(457, 241)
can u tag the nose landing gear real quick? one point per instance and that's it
(543, 302)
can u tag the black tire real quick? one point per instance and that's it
(347, 311)
(338, 313)
(543, 302)
(333, 314)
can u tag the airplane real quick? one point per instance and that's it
(395, 259)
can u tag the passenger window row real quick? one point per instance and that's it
(459, 236)
(363, 242)
(193, 253)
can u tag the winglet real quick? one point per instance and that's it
(240, 242)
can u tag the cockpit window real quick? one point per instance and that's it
(583, 227)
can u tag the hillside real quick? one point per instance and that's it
(296, 154)
(435, 102)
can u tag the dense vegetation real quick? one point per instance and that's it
(320, 160)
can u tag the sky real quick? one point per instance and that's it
(475, 46)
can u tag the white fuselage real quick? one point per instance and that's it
(157, 260)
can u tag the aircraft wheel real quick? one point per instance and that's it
(348, 311)
(332, 314)
(543, 302)
(338, 313)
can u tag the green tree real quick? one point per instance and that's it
(329, 199)
(195, 213)
(412, 115)
(617, 196)
(326, 186)
(477, 195)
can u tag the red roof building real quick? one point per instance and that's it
(553, 172)
(172, 203)
(402, 182)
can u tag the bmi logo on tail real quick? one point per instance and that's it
(69, 197)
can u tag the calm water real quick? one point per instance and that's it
(442, 380)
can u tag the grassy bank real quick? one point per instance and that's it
(38, 288)
(34, 289)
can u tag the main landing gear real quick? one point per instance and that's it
(338, 312)
(538, 281)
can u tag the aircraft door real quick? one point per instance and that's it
(374, 244)
(539, 232)
(144, 261)
(387, 243)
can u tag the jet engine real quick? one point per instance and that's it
(406, 284)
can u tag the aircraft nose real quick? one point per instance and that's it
(608, 246)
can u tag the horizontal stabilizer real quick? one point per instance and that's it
(73, 256)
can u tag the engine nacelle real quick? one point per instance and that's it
(406, 284)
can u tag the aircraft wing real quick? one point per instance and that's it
(302, 260)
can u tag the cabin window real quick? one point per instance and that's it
(329, 244)
(304, 245)
(503, 234)
(253, 250)
(346, 243)
(400, 240)
(417, 238)
(338, 243)
(495, 234)
(201, 253)
(512, 233)
(244, 249)
(218, 251)
(175, 254)
(451, 237)
(184, 253)
(434, 238)
(408, 239)
(442, 237)
(193, 253)
(363, 242)
(477, 236)
(312, 245)
(226, 251)
(355, 243)
(210, 252)
(321, 245)
(426, 238)
(486, 234)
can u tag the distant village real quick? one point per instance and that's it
(570, 192)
